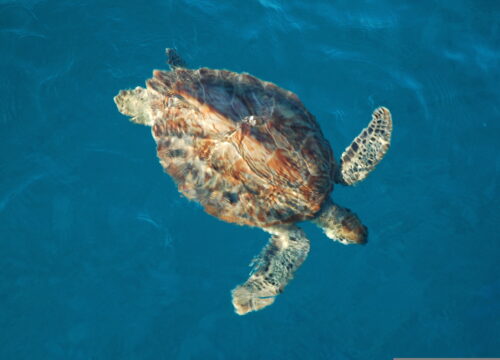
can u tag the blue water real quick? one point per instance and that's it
(101, 258)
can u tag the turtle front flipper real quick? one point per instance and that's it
(366, 151)
(273, 269)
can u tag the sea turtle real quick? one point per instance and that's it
(251, 154)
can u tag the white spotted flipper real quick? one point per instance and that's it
(135, 103)
(366, 151)
(273, 269)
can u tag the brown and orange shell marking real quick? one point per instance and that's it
(246, 149)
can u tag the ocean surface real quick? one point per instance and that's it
(101, 258)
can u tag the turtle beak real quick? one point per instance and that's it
(357, 234)
(363, 236)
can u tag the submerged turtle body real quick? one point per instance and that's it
(251, 154)
(246, 149)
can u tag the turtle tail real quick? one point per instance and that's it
(135, 103)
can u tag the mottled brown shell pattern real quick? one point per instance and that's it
(246, 149)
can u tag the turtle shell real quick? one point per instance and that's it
(246, 149)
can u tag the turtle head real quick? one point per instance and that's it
(341, 224)
(351, 230)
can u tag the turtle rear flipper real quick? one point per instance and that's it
(135, 103)
(366, 151)
(174, 60)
